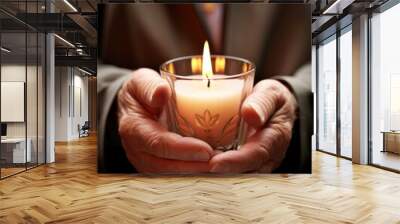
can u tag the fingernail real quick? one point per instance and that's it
(201, 156)
(258, 110)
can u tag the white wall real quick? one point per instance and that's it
(80, 102)
(71, 93)
(62, 82)
(17, 73)
(14, 73)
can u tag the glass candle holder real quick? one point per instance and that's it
(209, 108)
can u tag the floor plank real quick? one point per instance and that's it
(71, 191)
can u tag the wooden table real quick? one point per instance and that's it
(391, 141)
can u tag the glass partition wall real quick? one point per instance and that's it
(22, 78)
(327, 95)
(13, 111)
(334, 94)
(334, 90)
(385, 89)
(345, 92)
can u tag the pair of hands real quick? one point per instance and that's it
(270, 111)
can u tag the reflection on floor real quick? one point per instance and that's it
(12, 169)
(71, 191)
(387, 159)
(346, 152)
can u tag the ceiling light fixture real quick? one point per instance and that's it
(84, 71)
(5, 50)
(65, 41)
(70, 5)
(337, 7)
(80, 51)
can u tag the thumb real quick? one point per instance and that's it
(147, 87)
(262, 103)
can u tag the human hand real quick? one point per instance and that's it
(149, 146)
(270, 112)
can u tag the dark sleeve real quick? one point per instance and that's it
(298, 155)
(110, 154)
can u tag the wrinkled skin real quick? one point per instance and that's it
(270, 111)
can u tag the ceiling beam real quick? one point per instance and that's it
(77, 61)
(83, 23)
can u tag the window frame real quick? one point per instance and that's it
(333, 37)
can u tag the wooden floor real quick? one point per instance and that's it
(8, 171)
(5, 172)
(71, 191)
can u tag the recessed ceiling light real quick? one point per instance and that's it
(337, 7)
(84, 71)
(5, 50)
(65, 41)
(70, 5)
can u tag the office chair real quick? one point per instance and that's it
(84, 130)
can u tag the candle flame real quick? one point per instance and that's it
(171, 68)
(196, 65)
(245, 67)
(207, 66)
(220, 65)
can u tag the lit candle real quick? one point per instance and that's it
(209, 113)
(207, 106)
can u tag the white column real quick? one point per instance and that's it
(360, 90)
(50, 92)
(50, 99)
